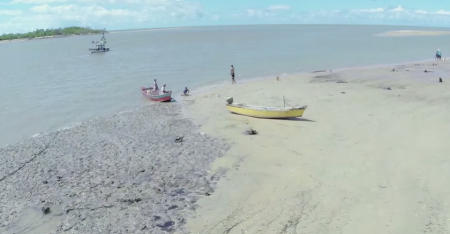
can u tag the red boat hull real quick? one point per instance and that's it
(155, 96)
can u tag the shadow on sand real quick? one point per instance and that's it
(288, 119)
(297, 119)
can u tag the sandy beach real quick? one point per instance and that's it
(369, 156)
(403, 33)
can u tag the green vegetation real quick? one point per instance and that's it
(39, 33)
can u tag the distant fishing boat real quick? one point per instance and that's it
(156, 96)
(265, 112)
(100, 46)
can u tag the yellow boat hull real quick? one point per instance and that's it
(266, 112)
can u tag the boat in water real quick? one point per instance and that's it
(100, 46)
(156, 96)
(265, 112)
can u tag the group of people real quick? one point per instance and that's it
(163, 88)
(156, 88)
(186, 90)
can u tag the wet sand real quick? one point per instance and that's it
(115, 174)
(370, 154)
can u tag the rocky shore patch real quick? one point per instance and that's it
(118, 174)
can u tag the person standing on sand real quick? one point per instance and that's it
(232, 75)
(438, 55)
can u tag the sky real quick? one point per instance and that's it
(17, 16)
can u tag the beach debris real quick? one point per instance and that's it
(343, 92)
(393, 70)
(440, 79)
(252, 132)
(278, 78)
(46, 210)
(341, 82)
(389, 88)
(179, 139)
(230, 100)
(130, 201)
(427, 71)
(326, 78)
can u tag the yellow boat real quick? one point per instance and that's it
(265, 112)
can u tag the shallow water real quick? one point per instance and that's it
(49, 84)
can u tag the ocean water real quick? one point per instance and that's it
(46, 85)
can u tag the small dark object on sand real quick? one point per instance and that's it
(427, 71)
(179, 139)
(440, 79)
(252, 132)
(393, 70)
(46, 210)
(389, 88)
(343, 92)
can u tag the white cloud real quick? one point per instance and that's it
(279, 7)
(37, 1)
(398, 9)
(421, 12)
(91, 13)
(442, 12)
(370, 10)
(10, 12)
(267, 12)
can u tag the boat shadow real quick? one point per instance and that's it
(297, 119)
(283, 119)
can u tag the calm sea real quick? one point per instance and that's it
(46, 85)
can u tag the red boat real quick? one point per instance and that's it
(156, 95)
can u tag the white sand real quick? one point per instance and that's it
(369, 160)
(401, 33)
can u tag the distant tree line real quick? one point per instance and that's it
(50, 32)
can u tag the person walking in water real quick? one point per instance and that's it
(232, 75)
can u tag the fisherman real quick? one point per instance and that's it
(155, 85)
(163, 89)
